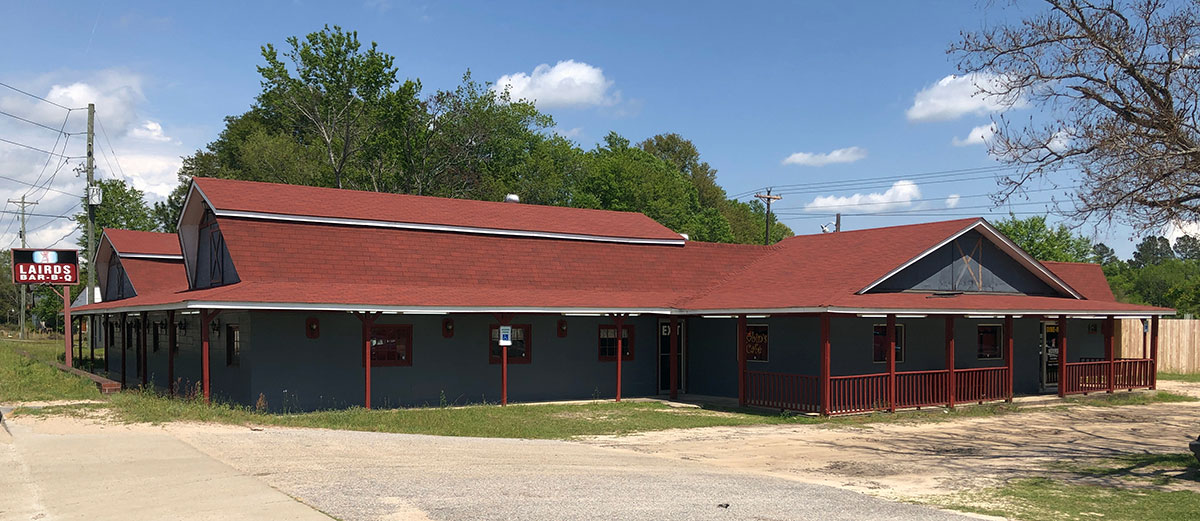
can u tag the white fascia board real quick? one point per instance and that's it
(130, 309)
(152, 256)
(301, 306)
(1001, 242)
(1001, 312)
(443, 228)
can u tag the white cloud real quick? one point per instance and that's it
(1175, 230)
(899, 196)
(841, 155)
(955, 96)
(565, 84)
(150, 131)
(568, 133)
(980, 135)
(146, 157)
(952, 201)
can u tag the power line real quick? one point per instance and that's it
(31, 122)
(27, 183)
(54, 148)
(793, 209)
(38, 149)
(50, 215)
(60, 239)
(892, 177)
(111, 149)
(35, 96)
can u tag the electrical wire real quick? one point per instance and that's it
(805, 209)
(31, 122)
(111, 149)
(35, 96)
(27, 183)
(875, 180)
(40, 150)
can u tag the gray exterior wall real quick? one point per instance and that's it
(203, 261)
(294, 372)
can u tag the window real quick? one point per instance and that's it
(519, 351)
(608, 342)
(154, 332)
(233, 345)
(391, 345)
(881, 343)
(989, 342)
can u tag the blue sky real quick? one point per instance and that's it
(845, 91)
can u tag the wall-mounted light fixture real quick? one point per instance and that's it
(216, 325)
(447, 327)
(182, 326)
(562, 328)
(312, 327)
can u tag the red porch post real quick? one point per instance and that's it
(950, 360)
(891, 361)
(145, 368)
(107, 328)
(741, 359)
(171, 352)
(619, 320)
(1008, 354)
(206, 318)
(1062, 356)
(67, 334)
(825, 372)
(368, 320)
(674, 357)
(1109, 323)
(1154, 352)
(503, 319)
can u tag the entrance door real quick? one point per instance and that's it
(664, 356)
(1049, 353)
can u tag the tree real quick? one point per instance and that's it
(1119, 82)
(329, 90)
(1046, 243)
(1103, 255)
(1152, 251)
(123, 207)
(1187, 247)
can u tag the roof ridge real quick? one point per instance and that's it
(777, 247)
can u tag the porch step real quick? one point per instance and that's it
(105, 385)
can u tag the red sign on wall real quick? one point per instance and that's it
(756, 342)
(55, 267)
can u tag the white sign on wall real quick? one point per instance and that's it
(505, 336)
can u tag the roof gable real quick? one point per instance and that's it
(1001, 243)
(968, 264)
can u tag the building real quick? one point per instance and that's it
(303, 298)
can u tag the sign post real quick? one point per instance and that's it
(53, 268)
(505, 341)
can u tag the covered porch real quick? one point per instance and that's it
(820, 391)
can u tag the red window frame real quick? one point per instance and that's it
(381, 355)
(996, 351)
(626, 343)
(526, 355)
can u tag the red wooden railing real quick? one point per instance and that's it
(795, 392)
(858, 393)
(1090, 377)
(981, 384)
(922, 388)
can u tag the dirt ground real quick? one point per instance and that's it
(911, 460)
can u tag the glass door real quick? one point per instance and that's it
(1049, 356)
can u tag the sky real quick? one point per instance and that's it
(839, 107)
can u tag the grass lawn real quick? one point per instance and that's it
(22, 379)
(1189, 377)
(1129, 398)
(1133, 487)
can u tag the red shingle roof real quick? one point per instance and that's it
(246, 196)
(1087, 279)
(147, 243)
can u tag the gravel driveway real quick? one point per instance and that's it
(361, 476)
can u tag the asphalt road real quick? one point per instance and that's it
(373, 476)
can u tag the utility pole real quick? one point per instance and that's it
(837, 223)
(768, 198)
(24, 306)
(92, 201)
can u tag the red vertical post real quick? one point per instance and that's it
(107, 328)
(1008, 354)
(953, 385)
(144, 322)
(619, 320)
(171, 352)
(205, 319)
(66, 295)
(503, 375)
(825, 372)
(1062, 356)
(1154, 352)
(1109, 326)
(741, 359)
(124, 348)
(891, 362)
(674, 357)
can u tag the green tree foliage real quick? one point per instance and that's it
(1151, 251)
(1187, 247)
(1044, 242)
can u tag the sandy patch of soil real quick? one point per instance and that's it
(913, 460)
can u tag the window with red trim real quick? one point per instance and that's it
(520, 350)
(391, 345)
(989, 342)
(608, 342)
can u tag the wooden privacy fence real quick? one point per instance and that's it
(1178, 343)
